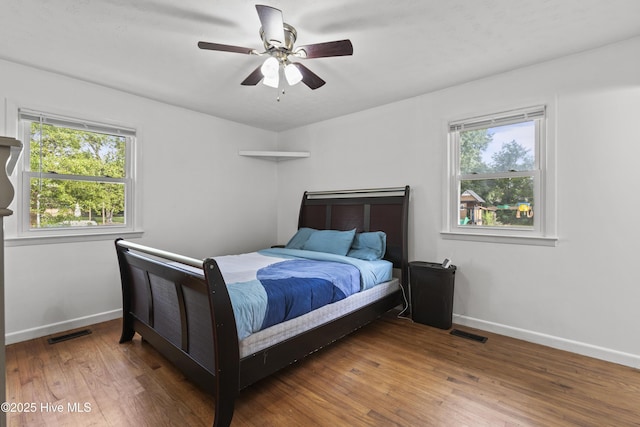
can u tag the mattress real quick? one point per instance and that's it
(239, 273)
(267, 337)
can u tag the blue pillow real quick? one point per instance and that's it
(369, 246)
(298, 239)
(330, 241)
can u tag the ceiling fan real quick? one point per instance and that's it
(278, 38)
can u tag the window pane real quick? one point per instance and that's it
(497, 202)
(498, 149)
(75, 152)
(66, 203)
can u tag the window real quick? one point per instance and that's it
(77, 176)
(497, 174)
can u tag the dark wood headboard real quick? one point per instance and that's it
(380, 209)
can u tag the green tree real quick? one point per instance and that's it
(512, 157)
(472, 144)
(75, 153)
(497, 192)
(513, 191)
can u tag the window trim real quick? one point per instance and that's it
(24, 235)
(543, 233)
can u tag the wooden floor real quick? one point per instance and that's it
(390, 373)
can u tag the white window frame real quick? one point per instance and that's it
(27, 235)
(543, 232)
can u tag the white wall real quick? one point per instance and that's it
(197, 198)
(581, 295)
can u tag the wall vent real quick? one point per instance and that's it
(68, 336)
(468, 335)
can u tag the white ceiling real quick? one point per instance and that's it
(402, 48)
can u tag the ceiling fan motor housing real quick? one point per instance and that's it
(286, 45)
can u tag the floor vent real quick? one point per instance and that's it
(69, 336)
(468, 335)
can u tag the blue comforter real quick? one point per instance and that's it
(296, 283)
(297, 286)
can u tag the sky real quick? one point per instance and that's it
(523, 133)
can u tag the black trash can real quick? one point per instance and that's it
(431, 293)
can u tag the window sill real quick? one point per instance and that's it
(70, 238)
(500, 238)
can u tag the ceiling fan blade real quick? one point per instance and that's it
(225, 48)
(253, 78)
(272, 24)
(309, 77)
(323, 50)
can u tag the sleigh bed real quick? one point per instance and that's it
(185, 309)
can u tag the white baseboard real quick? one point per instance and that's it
(41, 331)
(584, 349)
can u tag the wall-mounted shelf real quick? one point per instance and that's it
(275, 155)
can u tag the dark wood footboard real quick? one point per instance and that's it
(184, 315)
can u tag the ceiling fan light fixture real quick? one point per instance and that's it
(293, 75)
(270, 68)
(271, 71)
(272, 81)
